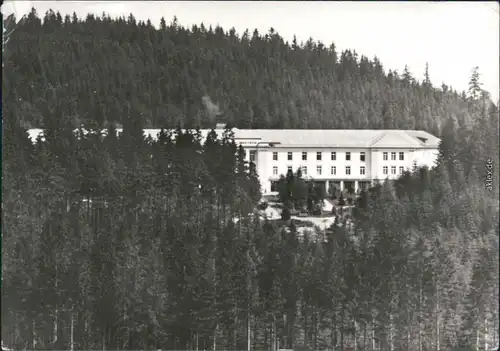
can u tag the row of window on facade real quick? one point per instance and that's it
(333, 156)
(333, 170)
(385, 156)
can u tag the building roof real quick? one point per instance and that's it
(343, 138)
(320, 138)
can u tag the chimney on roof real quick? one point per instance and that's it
(220, 121)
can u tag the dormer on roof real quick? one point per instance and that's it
(393, 138)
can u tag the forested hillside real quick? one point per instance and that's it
(133, 243)
(107, 70)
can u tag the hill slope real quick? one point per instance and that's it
(106, 69)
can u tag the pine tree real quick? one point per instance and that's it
(427, 79)
(475, 84)
(407, 76)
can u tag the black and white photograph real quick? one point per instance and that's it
(250, 175)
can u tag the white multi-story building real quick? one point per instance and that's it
(346, 159)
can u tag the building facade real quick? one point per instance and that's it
(347, 159)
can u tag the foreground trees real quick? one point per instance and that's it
(111, 246)
(299, 194)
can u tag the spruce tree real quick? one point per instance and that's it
(475, 84)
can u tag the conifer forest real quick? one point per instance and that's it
(132, 243)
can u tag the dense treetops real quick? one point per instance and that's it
(106, 70)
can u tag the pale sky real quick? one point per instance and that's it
(453, 37)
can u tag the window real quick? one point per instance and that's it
(304, 156)
(362, 157)
(252, 156)
(318, 170)
(347, 156)
(393, 170)
(385, 170)
(289, 156)
(362, 170)
(275, 170)
(385, 156)
(275, 156)
(334, 156)
(401, 156)
(318, 156)
(289, 169)
(393, 156)
(304, 170)
(333, 170)
(348, 170)
(401, 170)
